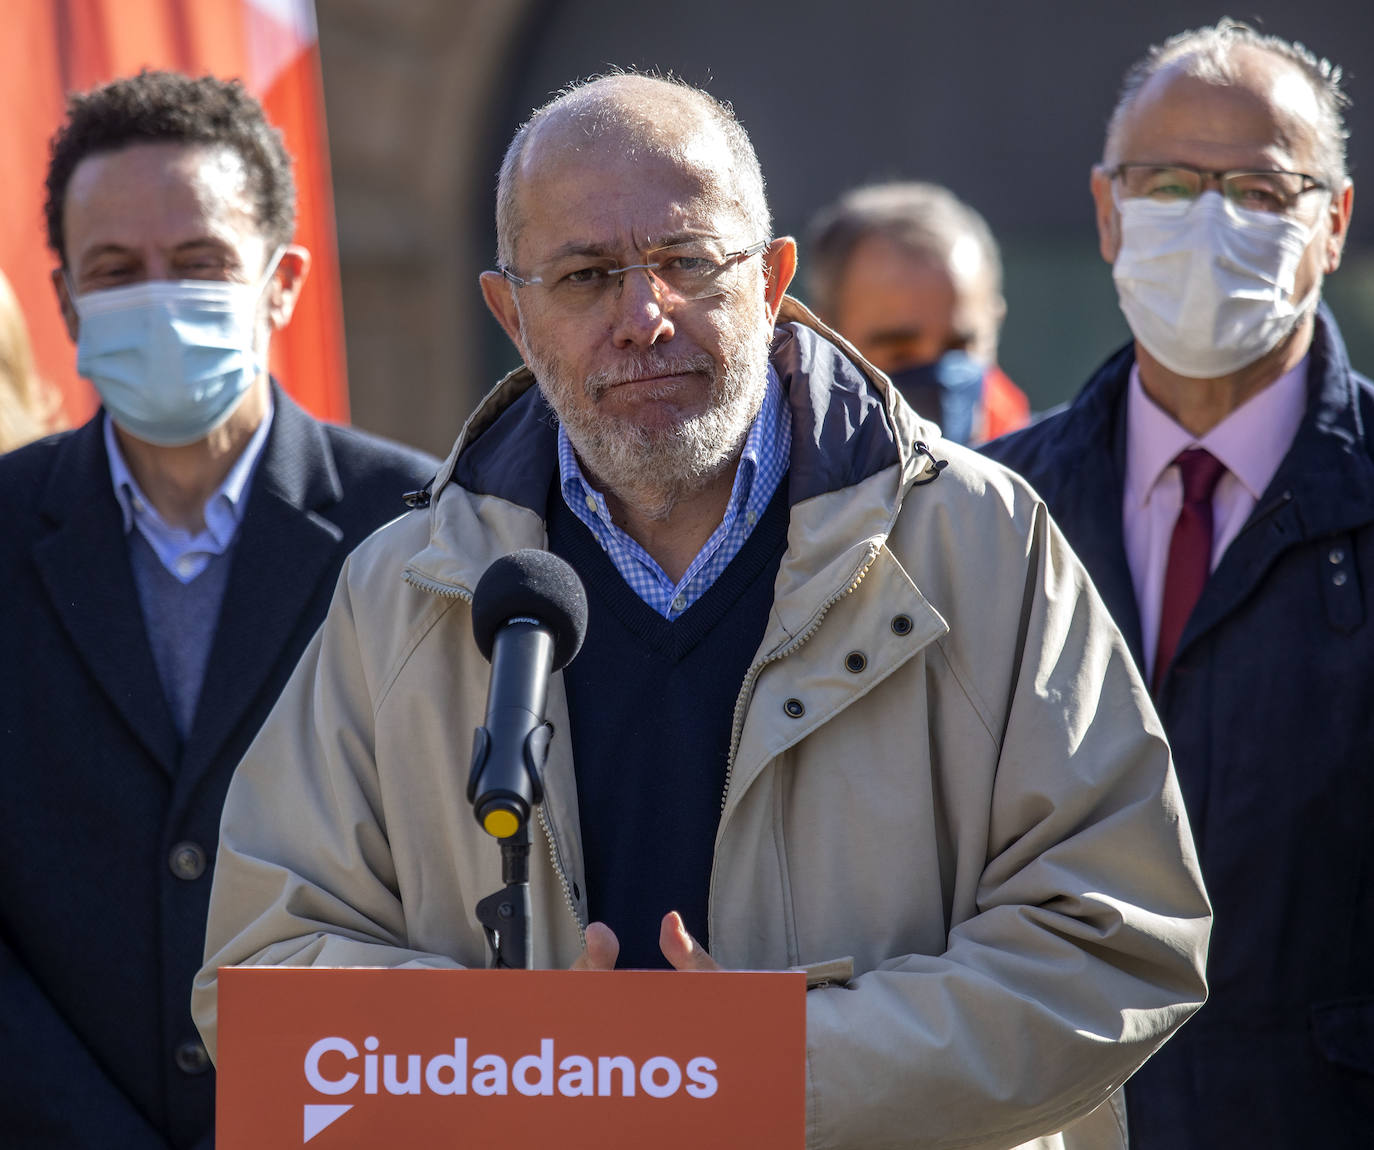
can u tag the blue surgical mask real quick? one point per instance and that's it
(946, 391)
(171, 358)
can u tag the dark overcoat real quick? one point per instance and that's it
(1269, 706)
(108, 823)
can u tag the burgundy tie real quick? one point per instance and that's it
(1190, 552)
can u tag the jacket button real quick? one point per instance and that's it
(1336, 556)
(1339, 578)
(187, 861)
(855, 662)
(192, 1058)
(901, 624)
(794, 708)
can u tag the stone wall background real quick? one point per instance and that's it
(1003, 100)
(408, 89)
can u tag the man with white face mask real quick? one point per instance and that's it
(1216, 478)
(163, 568)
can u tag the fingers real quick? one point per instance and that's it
(601, 951)
(682, 951)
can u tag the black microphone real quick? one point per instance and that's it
(529, 616)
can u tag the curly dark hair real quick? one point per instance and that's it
(168, 107)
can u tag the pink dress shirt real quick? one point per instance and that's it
(1251, 442)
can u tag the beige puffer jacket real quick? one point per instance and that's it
(984, 817)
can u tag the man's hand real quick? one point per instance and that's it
(601, 950)
(682, 951)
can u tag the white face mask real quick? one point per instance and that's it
(1207, 287)
(171, 358)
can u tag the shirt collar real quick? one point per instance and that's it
(1251, 441)
(764, 440)
(223, 510)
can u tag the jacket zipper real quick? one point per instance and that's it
(447, 591)
(443, 590)
(556, 860)
(742, 700)
(930, 463)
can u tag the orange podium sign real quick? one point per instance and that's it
(421, 1059)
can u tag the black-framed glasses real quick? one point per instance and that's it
(691, 270)
(1277, 192)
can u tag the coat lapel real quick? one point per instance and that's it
(84, 564)
(1089, 497)
(285, 547)
(1100, 544)
(1323, 487)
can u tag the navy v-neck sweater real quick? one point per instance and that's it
(652, 705)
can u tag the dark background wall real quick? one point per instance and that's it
(1005, 101)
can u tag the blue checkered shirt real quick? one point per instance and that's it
(762, 464)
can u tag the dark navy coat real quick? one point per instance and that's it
(108, 827)
(1269, 706)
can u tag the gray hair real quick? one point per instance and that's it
(1209, 54)
(925, 219)
(601, 108)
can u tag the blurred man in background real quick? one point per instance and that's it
(912, 277)
(163, 567)
(1217, 478)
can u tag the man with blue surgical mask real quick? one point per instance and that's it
(912, 277)
(1217, 478)
(164, 566)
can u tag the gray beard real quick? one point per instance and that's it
(652, 470)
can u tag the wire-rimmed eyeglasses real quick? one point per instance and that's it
(682, 271)
(1277, 192)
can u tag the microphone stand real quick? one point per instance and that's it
(529, 616)
(505, 914)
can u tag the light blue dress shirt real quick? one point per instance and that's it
(184, 554)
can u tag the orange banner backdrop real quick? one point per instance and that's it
(433, 1059)
(54, 47)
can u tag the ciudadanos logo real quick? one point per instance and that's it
(352, 1073)
(357, 1058)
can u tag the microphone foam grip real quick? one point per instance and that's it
(537, 584)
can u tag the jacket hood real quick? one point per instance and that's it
(850, 427)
